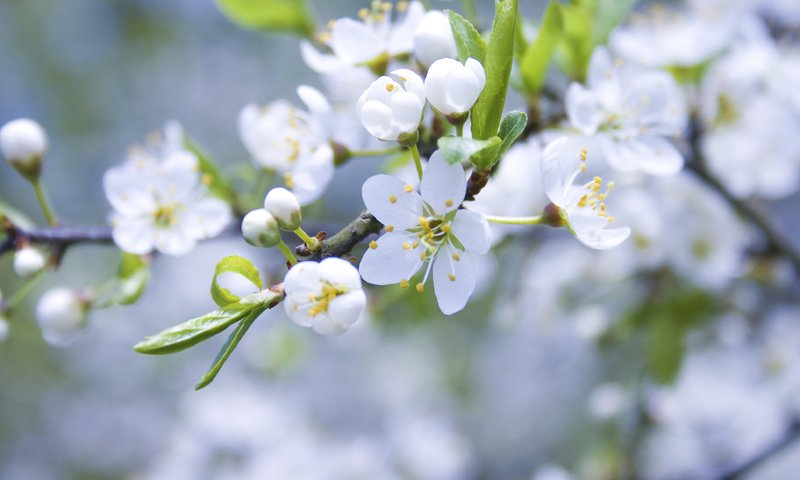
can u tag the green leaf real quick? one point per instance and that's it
(132, 277)
(607, 15)
(227, 348)
(194, 331)
(459, 149)
(539, 53)
(578, 42)
(216, 182)
(235, 264)
(469, 42)
(291, 16)
(511, 128)
(488, 110)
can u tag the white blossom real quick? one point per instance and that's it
(293, 142)
(160, 201)
(632, 111)
(284, 207)
(391, 108)
(425, 228)
(433, 38)
(581, 208)
(260, 229)
(326, 296)
(23, 143)
(61, 313)
(453, 87)
(28, 261)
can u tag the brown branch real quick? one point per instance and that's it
(345, 239)
(59, 236)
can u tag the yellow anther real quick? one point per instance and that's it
(288, 180)
(415, 244)
(389, 228)
(295, 307)
(406, 246)
(451, 277)
(408, 188)
(389, 87)
(373, 244)
(331, 23)
(423, 256)
(311, 297)
(456, 256)
(196, 168)
(423, 222)
(402, 6)
(404, 283)
(583, 167)
(583, 201)
(448, 203)
(446, 228)
(583, 154)
(386, 6)
(420, 287)
(392, 199)
(206, 179)
(363, 13)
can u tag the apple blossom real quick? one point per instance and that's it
(581, 209)
(391, 108)
(293, 142)
(425, 228)
(260, 229)
(326, 296)
(61, 313)
(28, 261)
(282, 205)
(433, 38)
(159, 200)
(23, 143)
(453, 87)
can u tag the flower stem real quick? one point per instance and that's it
(42, 199)
(374, 153)
(287, 252)
(417, 160)
(515, 220)
(23, 291)
(460, 129)
(311, 242)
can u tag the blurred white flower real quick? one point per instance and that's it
(159, 200)
(433, 38)
(61, 314)
(551, 472)
(326, 296)
(28, 261)
(632, 111)
(391, 108)
(425, 227)
(23, 143)
(283, 205)
(582, 209)
(260, 229)
(453, 87)
(294, 142)
(608, 400)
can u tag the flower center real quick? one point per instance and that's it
(323, 300)
(166, 216)
(593, 199)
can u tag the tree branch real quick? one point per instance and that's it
(737, 472)
(345, 239)
(57, 236)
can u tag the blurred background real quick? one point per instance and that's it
(526, 383)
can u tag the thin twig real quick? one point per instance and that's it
(56, 236)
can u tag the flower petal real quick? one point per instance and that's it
(174, 241)
(443, 185)
(582, 109)
(453, 279)
(126, 191)
(663, 158)
(343, 312)
(353, 42)
(311, 174)
(388, 199)
(559, 169)
(390, 262)
(406, 111)
(206, 218)
(134, 234)
(472, 231)
(339, 272)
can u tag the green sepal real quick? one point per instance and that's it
(234, 264)
(459, 149)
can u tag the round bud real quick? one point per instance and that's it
(283, 205)
(61, 313)
(433, 38)
(260, 229)
(23, 143)
(28, 261)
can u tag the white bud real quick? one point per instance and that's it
(4, 328)
(260, 229)
(433, 38)
(391, 108)
(23, 143)
(28, 261)
(283, 205)
(453, 87)
(61, 313)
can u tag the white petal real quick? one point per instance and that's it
(134, 234)
(174, 242)
(406, 111)
(377, 119)
(319, 62)
(178, 175)
(558, 170)
(340, 272)
(206, 218)
(311, 174)
(314, 100)
(453, 280)
(605, 238)
(443, 185)
(582, 109)
(477, 70)
(343, 312)
(390, 262)
(472, 231)
(402, 36)
(436, 83)
(662, 158)
(412, 83)
(354, 42)
(301, 279)
(463, 89)
(127, 192)
(387, 198)
(296, 308)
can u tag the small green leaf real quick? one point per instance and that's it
(537, 56)
(488, 109)
(578, 42)
(469, 42)
(227, 348)
(459, 149)
(511, 128)
(607, 15)
(216, 182)
(194, 331)
(235, 264)
(132, 277)
(291, 16)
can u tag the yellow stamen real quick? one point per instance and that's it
(404, 283)
(451, 277)
(389, 228)
(373, 244)
(420, 287)
(408, 188)
(448, 203)
(392, 199)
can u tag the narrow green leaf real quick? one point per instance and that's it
(216, 182)
(607, 15)
(488, 110)
(469, 42)
(511, 128)
(577, 43)
(194, 331)
(235, 264)
(132, 277)
(539, 53)
(227, 348)
(291, 16)
(459, 149)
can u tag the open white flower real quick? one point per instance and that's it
(326, 296)
(580, 208)
(425, 228)
(453, 87)
(159, 200)
(391, 108)
(294, 142)
(433, 38)
(370, 41)
(632, 111)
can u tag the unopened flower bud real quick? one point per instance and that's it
(28, 261)
(283, 205)
(23, 143)
(453, 87)
(61, 313)
(392, 105)
(260, 229)
(433, 38)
